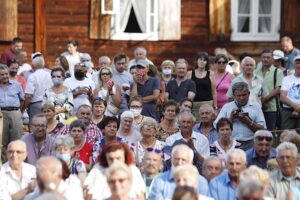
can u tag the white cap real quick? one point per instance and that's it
(36, 54)
(278, 54)
(296, 58)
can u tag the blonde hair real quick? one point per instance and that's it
(150, 121)
(118, 166)
(167, 62)
(255, 173)
(189, 171)
(100, 83)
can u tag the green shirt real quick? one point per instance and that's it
(268, 81)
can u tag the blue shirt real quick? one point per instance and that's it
(290, 55)
(253, 159)
(11, 95)
(163, 186)
(213, 134)
(221, 188)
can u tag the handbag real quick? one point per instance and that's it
(112, 108)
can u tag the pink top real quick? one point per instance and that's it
(222, 85)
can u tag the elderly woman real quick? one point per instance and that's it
(114, 152)
(148, 142)
(59, 95)
(98, 109)
(82, 150)
(136, 107)
(167, 70)
(126, 131)
(168, 126)
(53, 125)
(224, 143)
(188, 175)
(64, 149)
(108, 91)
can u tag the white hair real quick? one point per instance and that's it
(183, 147)
(287, 146)
(237, 153)
(248, 187)
(212, 158)
(186, 113)
(38, 62)
(141, 49)
(248, 58)
(265, 133)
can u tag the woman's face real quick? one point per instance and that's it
(170, 112)
(63, 149)
(105, 75)
(201, 62)
(119, 183)
(126, 123)
(110, 129)
(221, 65)
(225, 132)
(148, 129)
(77, 133)
(71, 48)
(115, 156)
(98, 108)
(49, 113)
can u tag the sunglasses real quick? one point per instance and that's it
(151, 149)
(261, 138)
(220, 62)
(105, 74)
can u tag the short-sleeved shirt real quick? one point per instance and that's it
(84, 153)
(291, 84)
(290, 55)
(149, 109)
(11, 95)
(37, 83)
(240, 131)
(268, 81)
(257, 91)
(253, 158)
(213, 133)
(180, 92)
(221, 187)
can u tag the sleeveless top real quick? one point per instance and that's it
(203, 86)
(222, 85)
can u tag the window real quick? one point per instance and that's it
(255, 20)
(135, 19)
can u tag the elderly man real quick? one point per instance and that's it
(17, 176)
(146, 87)
(81, 86)
(290, 97)
(289, 51)
(163, 186)
(288, 174)
(246, 115)
(140, 53)
(256, 87)
(206, 127)
(225, 185)
(16, 45)
(49, 173)
(11, 99)
(37, 83)
(38, 143)
(180, 87)
(197, 142)
(272, 78)
(262, 150)
(212, 167)
(151, 166)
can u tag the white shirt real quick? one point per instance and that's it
(72, 61)
(201, 143)
(132, 137)
(75, 84)
(291, 84)
(23, 68)
(13, 183)
(37, 83)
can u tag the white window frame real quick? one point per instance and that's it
(254, 35)
(116, 34)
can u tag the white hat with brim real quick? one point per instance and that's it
(278, 54)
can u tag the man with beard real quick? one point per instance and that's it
(16, 45)
(38, 143)
(13, 68)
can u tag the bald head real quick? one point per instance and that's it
(51, 164)
(16, 153)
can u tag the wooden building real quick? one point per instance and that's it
(182, 27)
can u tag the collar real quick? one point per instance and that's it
(8, 170)
(227, 180)
(169, 175)
(10, 82)
(283, 178)
(198, 127)
(272, 153)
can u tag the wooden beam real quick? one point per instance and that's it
(40, 26)
(8, 19)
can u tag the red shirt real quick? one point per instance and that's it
(84, 153)
(7, 55)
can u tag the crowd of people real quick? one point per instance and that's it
(124, 128)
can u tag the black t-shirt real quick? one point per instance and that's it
(180, 92)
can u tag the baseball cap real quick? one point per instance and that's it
(278, 54)
(296, 58)
(36, 54)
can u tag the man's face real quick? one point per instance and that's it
(139, 54)
(22, 58)
(186, 124)
(104, 62)
(241, 97)
(121, 65)
(248, 67)
(126, 123)
(286, 45)
(206, 115)
(213, 168)
(287, 162)
(141, 72)
(13, 68)
(4, 77)
(152, 163)
(235, 166)
(266, 59)
(39, 127)
(85, 115)
(110, 129)
(181, 70)
(17, 47)
(180, 158)
(187, 105)
(262, 147)
(16, 154)
(119, 183)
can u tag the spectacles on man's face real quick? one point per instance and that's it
(261, 138)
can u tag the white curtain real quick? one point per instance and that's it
(140, 10)
(264, 22)
(243, 8)
(125, 7)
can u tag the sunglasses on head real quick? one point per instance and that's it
(261, 138)
(151, 149)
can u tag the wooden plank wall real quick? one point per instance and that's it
(68, 20)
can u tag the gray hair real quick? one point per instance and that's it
(182, 61)
(167, 62)
(3, 67)
(234, 153)
(141, 49)
(248, 58)
(188, 170)
(64, 140)
(287, 146)
(265, 133)
(248, 187)
(149, 120)
(104, 58)
(211, 158)
(119, 166)
(239, 86)
(188, 113)
(38, 62)
(183, 147)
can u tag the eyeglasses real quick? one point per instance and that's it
(15, 151)
(119, 180)
(261, 138)
(222, 62)
(151, 149)
(148, 126)
(105, 74)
